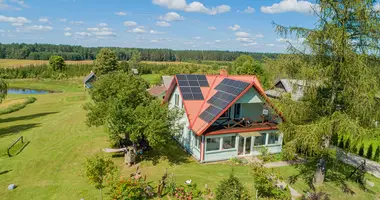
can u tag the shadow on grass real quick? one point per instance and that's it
(171, 151)
(337, 172)
(5, 171)
(15, 129)
(26, 117)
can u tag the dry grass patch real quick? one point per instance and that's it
(14, 63)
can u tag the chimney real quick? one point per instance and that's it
(223, 72)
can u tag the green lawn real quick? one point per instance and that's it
(50, 166)
(152, 78)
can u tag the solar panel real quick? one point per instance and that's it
(190, 84)
(228, 90)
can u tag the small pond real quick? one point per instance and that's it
(27, 91)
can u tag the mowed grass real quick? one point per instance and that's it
(152, 78)
(13, 63)
(51, 165)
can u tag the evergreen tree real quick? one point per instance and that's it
(344, 100)
(376, 157)
(369, 152)
(105, 62)
(231, 189)
(361, 150)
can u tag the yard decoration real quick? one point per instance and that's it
(162, 184)
(129, 154)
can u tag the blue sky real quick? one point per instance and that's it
(243, 25)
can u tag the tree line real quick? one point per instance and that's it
(71, 52)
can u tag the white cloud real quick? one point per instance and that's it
(154, 32)
(259, 36)
(300, 6)
(242, 34)
(245, 39)
(120, 13)
(67, 34)
(137, 30)
(34, 28)
(249, 44)
(103, 24)
(234, 27)
(67, 29)
(83, 34)
(63, 20)
(154, 41)
(77, 22)
(43, 20)
(172, 16)
(15, 21)
(212, 28)
(270, 45)
(130, 23)
(376, 7)
(217, 41)
(2, 31)
(104, 31)
(19, 2)
(192, 7)
(249, 10)
(162, 24)
(197, 38)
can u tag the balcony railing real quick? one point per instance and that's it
(244, 122)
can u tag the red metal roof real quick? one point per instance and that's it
(157, 90)
(194, 108)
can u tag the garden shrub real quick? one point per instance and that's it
(264, 154)
(231, 189)
(361, 150)
(376, 157)
(187, 192)
(126, 189)
(369, 152)
(235, 161)
(266, 184)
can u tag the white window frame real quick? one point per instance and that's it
(176, 100)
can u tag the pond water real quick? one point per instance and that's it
(26, 91)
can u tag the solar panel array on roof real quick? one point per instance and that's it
(228, 90)
(190, 84)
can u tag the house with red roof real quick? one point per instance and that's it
(225, 116)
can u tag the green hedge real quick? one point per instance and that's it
(17, 107)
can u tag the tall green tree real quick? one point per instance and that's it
(344, 101)
(106, 62)
(135, 59)
(98, 170)
(121, 102)
(3, 90)
(57, 63)
(245, 64)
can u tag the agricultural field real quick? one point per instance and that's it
(51, 165)
(13, 63)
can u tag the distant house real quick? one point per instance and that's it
(157, 91)
(295, 87)
(166, 80)
(88, 80)
(224, 116)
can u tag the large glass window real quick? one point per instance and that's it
(273, 138)
(260, 140)
(213, 144)
(229, 142)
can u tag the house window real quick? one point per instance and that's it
(229, 142)
(237, 110)
(260, 140)
(213, 144)
(176, 100)
(197, 142)
(273, 138)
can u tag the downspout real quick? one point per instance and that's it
(202, 149)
